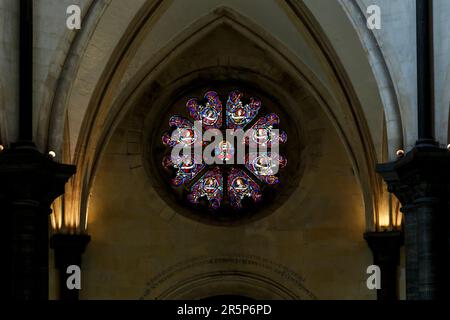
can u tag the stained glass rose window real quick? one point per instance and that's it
(224, 156)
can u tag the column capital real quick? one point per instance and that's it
(68, 248)
(423, 173)
(25, 173)
(385, 245)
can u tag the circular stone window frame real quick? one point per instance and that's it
(160, 97)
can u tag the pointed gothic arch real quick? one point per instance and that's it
(110, 99)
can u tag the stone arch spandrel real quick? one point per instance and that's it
(105, 24)
(90, 59)
(382, 64)
(58, 73)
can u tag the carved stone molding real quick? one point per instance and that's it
(250, 276)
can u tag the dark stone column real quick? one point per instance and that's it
(425, 71)
(421, 181)
(410, 226)
(29, 183)
(68, 251)
(385, 247)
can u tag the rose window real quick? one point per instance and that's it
(222, 157)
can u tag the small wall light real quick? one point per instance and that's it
(2, 148)
(448, 147)
(52, 154)
(400, 153)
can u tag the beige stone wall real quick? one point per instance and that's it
(315, 236)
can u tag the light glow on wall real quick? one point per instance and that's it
(389, 215)
(383, 221)
(56, 217)
(65, 217)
